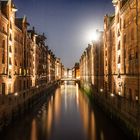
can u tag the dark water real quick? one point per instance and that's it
(66, 115)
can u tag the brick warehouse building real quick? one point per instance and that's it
(121, 49)
(117, 91)
(24, 54)
(92, 64)
(120, 71)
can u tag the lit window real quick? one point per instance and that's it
(20, 71)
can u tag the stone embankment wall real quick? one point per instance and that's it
(124, 113)
(12, 106)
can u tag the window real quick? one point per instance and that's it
(24, 85)
(2, 90)
(130, 57)
(124, 39)
(124, 53)
(3, 52)
(10, 49)
(24, 71)
(105, 53)
(105, 63)
(119, 60)
(136, 95)
(119, 46)
(20, 71)
(15, 63)
(10, 37)
(130, 94)
(10, 61)
(124, 24)
(118, 33)
(10, 74)
(136, 55)
(15, 72)
(10, 24)
(3, 70)
(120, 23)
(3, 29)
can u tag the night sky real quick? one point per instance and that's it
(66, 23)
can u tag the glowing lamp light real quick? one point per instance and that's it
(137, 98)
(119, 93)
(112, 95)
(119, 66)
(16, 94)
(101, 90)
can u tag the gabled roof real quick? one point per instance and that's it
(3, 7)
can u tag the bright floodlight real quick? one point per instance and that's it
(92, 36)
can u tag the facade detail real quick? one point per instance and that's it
(121, 47)
(115, 63)
(25, 60)
(91, 64)
(110, 66)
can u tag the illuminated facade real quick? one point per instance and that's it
(51, 66)
(62, 71)
(112, 67)
(58, 68)
(25, 60)
(121, 48)
(92, 64)
(41, 60)
(76, 71)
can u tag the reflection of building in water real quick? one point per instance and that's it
(88, 118)
(57, 105)
(77, 94)
(53, 112)
(33, 131)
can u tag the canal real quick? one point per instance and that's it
(66, 115)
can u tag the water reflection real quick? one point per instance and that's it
(66, 115)
(33, 131)
(88, 118)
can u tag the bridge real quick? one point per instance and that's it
(69, 79)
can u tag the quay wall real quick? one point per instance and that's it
(12, 106)
(122, 112)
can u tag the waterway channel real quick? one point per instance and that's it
(65, 115)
